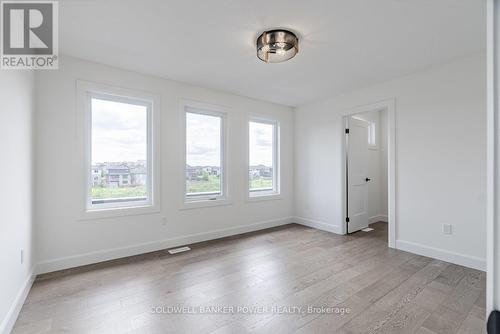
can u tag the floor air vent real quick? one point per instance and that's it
(179, 250)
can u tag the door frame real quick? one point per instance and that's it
(389, 105)
(493, 159)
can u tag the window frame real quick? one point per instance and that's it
(275, 192)
(201, 108)
(372, 135)
(86, 92)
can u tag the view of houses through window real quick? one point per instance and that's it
(203, 154)
(261, 156)
(119, 151)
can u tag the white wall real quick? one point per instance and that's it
(64, 240)
(440, 157)
(16, 229)
(377, 166)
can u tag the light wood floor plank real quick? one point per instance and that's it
(374, 289)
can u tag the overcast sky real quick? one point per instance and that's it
(261, 144)
(119, 134)
(202, 140)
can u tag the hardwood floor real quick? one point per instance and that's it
(363, 287)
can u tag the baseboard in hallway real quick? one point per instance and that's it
(318, 225)
(378, 218)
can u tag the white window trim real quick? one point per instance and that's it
(85, 91)
(275, 193)
(210, 200)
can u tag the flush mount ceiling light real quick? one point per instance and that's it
(276, 46)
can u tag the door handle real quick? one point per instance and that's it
(368, 179)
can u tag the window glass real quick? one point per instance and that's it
(119, 151)
(262, 153)
(203, 155)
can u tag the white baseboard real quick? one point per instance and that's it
(11, 317)
(378, 218)
(443, 255)
(318, 225)
(116, 253)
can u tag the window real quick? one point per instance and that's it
(372, 135)
(263, 158)
(372, 132)
(120, 169)
(119, 137)
(204, 155)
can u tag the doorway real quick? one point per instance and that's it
(369, 169)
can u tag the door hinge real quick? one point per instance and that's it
(347, 219)
(347, 131)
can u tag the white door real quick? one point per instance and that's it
(357, 175)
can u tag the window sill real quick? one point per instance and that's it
(264, 197)
(119, 212)
(204, 204)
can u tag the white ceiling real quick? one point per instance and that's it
(344, 44)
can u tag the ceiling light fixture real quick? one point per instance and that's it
(276, 46)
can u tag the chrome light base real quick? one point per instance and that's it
(276, 46)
